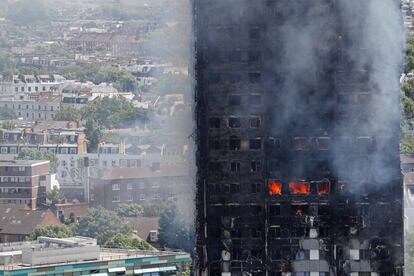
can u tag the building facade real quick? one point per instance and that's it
(24, 182)
(298, 167)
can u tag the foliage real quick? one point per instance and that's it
(26, 11)
(51, 231)
(68, 113)
(55, 196)
(7, 113)
(7, 63)
(112, 112)
(129, 210)
(33, 154)
(127, 242)
(172, 83)
(102, 225)
(408, 107)
(9, 124)
(409, 63)
(94, 135)
(175, 230)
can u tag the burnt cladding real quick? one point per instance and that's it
(298, 133)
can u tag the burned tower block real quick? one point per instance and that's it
(298, 134)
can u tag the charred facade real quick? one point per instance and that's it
(298, 134)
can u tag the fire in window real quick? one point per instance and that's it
(299, 210)
(299, 187)
(275, 188)
(323, 187)
(234, 122)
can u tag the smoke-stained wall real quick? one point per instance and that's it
(298, 133)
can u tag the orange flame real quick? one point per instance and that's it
(299, 187)
(324, 187)
(275, 188)
(298, 212)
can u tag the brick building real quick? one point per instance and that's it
(24, 182)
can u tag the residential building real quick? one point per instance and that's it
(298, 168)
(146, 228)
(18, 222)
(83, 256)
(140, 185)
(24, 182)
(29, 84)
(42, 109)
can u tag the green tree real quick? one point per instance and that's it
(34, 154)
(55, 196)
(26, 11)
(127, 242)
(51, 231)
(409, 253)
(175, 230)
(102, 225)
(9, 124)
(68, 113)
(129, 210)
(94, 135)
(7, 113)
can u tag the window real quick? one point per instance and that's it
(156, 196)
(235, 56)
(64, 151)
(141, 197)
(234, 122)
(116, 198)
(255, 78)
(255, 144)
(254, 122)
(215, 166)
(255, 99)
(235, 188)
(254, 56)
(130, 198)
(13, 150)
(214, 144)
(73, 151)
(22, 169)
(3, 150)
(235, 166)
(214, 122)
(116, 187)
(255, 232)
(234, 100)
(254, 33)
(130, 186)
(256, 188)
(235, 144)
(255, 166)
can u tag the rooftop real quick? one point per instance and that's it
(21, 163)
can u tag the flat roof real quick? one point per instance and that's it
(19, 163)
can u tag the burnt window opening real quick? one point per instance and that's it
(255, 210)
(299, 210)
(236, 233)
(235, 166)
(275, 210)
(254, 56)
(235, 188)
(255, 166)
(274, 232)
(255, 77)
(299, 187)
(256, 253)
(299, 144)
(275, 187)
(214, 144)
(323, 232)
(255, 144)
(275, 254)
(215, 102)
(323, 187)
(214, 78)
(255, 232)
(235, 56)
(255, 99)
(255, 122)
(274, 143)
(255, 188)
(364, 144)
(215, 166)
(234, 122)
(214, 122)
(237, 254)
(344, 99)
(323, 210)
(364, 98)
(235, 144)
(323, 143)
(273, 165)
(255, 33)
(298, 232)
(231, 78)
(234, 100)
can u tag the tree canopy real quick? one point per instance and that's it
(51, 231)
(68, 113)
(55, 196)
(26, 11)
(102, 225)
(129, 210)
(127, 242)
(34, 154)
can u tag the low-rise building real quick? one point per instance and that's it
(123, 185)
(17, 222)
(29, 83)
(24, 182)
(83, 256)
